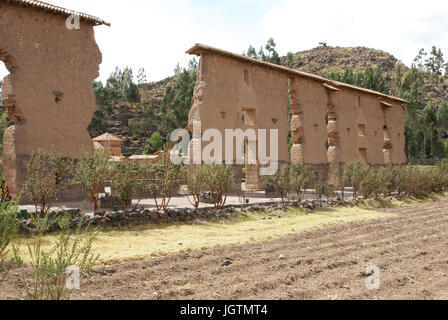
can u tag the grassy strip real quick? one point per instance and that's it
(144, 242)
(148, 241)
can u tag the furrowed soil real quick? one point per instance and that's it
(410, 250)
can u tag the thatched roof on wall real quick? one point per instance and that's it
(198, 49)
(58, 10)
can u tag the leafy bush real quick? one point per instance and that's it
(92, 173)
(281, 181)
(409, 181)
(343, 180)
(46, 172)
(219, 180)
(125, 183)
(165, 182)
(369, 186)
(319, 189)
(356, 172)
(388, 180)
(70, 249)
(9, 226)
(301, 179)
(155, 142)
(330, 191)
(195, 178)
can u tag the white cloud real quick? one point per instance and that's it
(398, 27)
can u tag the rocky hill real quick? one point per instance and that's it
(120, 121)
(323, 60)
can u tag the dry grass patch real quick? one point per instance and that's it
(144, 242)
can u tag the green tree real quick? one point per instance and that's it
(370, 78)
(272, 55)
(141, 76)
(289, 61)
(334, 75)
(252, 53)
(156, 142)
(428, 123)
(435, 62)
(399, 72)
(177, 100)
(132, 93)
(442, 118)
(98, 124)
(419, 60)
(347, 76)
(102, 94)
(120, 86)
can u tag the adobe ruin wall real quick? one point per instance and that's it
(331, 123)
(48, 93)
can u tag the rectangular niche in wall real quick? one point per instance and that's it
(363, 154)
(246, 76)
(362, 130)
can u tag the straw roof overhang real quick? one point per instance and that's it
(107, 137)
(87, 18)
(198, 49)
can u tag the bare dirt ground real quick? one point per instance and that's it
(410, 250)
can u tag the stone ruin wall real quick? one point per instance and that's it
(48, 93)
(357, 121)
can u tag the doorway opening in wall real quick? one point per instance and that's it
(248, 116)
(362, 130)
(3, 73)
(4, 121)
(363, 154)
(243, 169)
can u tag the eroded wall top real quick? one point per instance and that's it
(49, 91)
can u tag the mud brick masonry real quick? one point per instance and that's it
(48, 93)
(332, 123)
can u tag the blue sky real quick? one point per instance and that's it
(155, 34)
